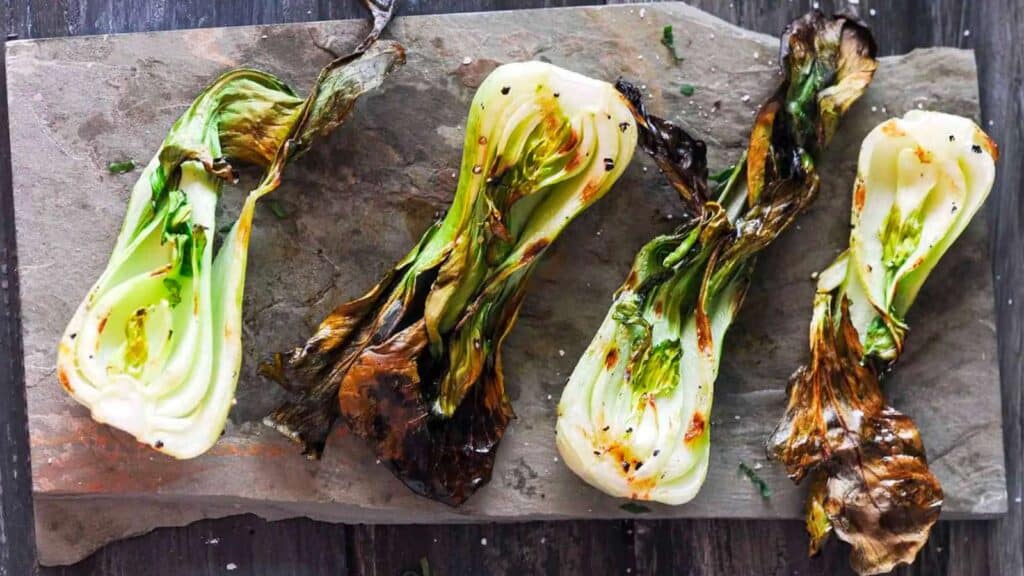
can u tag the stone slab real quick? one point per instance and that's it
(361, 198)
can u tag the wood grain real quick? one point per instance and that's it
(17, 540)
(993, 547)
(999, 27)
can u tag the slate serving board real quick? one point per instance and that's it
(360, 199)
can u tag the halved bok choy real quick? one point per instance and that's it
(920, 180)
(634, 419)
(414, 365)
(155, 347)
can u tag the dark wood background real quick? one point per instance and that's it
(248, 545)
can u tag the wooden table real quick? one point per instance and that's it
(248, 545)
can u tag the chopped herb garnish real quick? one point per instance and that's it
(634, 508)
(687, 89)
(173, 291)
(121, 167)
(762, 486)
(723, 175)
(669, 40)
(277, 209)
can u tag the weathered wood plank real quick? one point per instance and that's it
(573, 547)
(242, 545)
(998, 27)
(708, 547)
(54, 18)
(17, 540)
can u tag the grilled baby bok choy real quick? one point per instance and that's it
(634, 418)
(155, 347)
(414, 365)
(920, 180)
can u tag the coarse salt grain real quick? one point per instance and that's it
(467, 61)
(231, 566)
(872, 12)
(483, 541)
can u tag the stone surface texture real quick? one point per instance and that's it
(360, 199)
